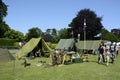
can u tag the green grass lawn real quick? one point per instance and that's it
(77, 71)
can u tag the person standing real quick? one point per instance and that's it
(101, 53)
(107, 56)
(117, 49)
(112, 51)
(20, 44)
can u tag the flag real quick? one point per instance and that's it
(98, 35)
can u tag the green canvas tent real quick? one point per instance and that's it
(65, 44)
(90, 44)
(32, 44)
(5, 55)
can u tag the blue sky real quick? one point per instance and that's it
(44, 14)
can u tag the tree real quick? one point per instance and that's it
(63, 33)
(3, 10)
(26, 37)
(54, 32)
(3, 28)
(106, 35)
(34, 33)
(48, 31)
(48, 38)
(56, 39)
(50, 35)
(93, 23)
(13, 34)
(116, 32)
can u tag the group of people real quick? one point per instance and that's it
(107, 53)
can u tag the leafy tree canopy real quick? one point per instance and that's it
(93, 24)
(34, 32)
(3, 28)
(3, 10)
(48, 38)
(116, 32)
(13, 34)
(63, 33)
(106, 35)
(52, 32)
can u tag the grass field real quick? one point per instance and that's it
(77, 71)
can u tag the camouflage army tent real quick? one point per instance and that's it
(65, 44)
(90, 44)
(5, 55)
(32, 44)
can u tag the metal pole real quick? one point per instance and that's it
(78, 37)
(84, 34)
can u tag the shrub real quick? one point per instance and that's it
(16, 44)
(52, 45)
(7, 43)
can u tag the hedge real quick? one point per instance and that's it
(5, 42)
